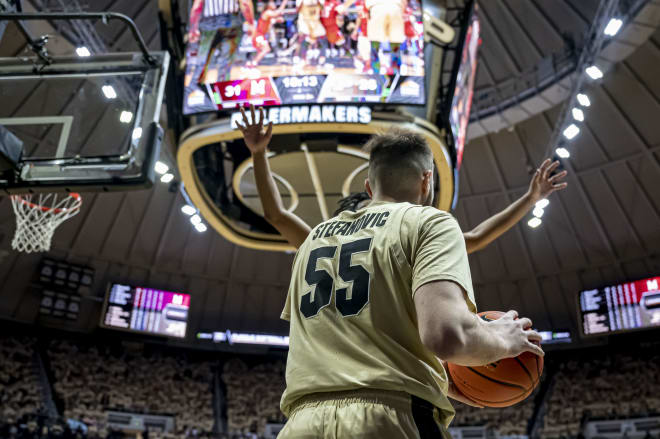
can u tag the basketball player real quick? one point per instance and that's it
(360, 35)
(376, 298)
(329, 16)
(218, 22)
(386, 25)
(295, 230)
(259, 35)
(310, 28)
(413, 42)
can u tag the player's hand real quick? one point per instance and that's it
(456, 394)
(516, 335)
(256, 138)
(544, 183)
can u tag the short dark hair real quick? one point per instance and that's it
(351, 202)
(396, 152)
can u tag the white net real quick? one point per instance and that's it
(37, 217)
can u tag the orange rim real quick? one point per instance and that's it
(32, 205)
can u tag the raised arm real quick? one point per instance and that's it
(294, 229)
(542, 185)
(282, 7)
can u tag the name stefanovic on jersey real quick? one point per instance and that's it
(345, 228)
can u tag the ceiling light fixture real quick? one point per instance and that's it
(161, 167)
(594, 72)
(195, 219)
(188, 209)
(126, 117)
(534, 222)
(543, 203)
(563, 153)
(109, 91)
(578, 114)
(167, 178)
(571, 131)
(613, 27)
(137, 133)
(583, 100)
(201, 228)
(83, 52)
(538, 212)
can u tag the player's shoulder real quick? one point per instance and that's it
(428, 213)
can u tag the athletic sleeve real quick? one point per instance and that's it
(286, 312)
(438, 253)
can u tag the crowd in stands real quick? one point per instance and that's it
(606, 387)
(507, 421)
(92, 379)
(19, 385)
(253, 396)
(89, 379)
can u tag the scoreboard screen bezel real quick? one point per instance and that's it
(106, 302)
(580, 314)
(422, 100)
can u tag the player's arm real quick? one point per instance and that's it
(344, 7)
(542, 185)
(280, 10)
(444, 301)
(247, 9)
(452, 332)
(294, 229)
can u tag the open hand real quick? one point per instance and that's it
(544, 183)
(517, 335)
(256, 139)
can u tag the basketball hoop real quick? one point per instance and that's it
(36, 220)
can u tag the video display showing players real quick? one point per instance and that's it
(459, 116)
(146, 310)
(632, 305)
(283, 52)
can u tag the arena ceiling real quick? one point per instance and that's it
(603, 229)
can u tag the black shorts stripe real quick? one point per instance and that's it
(422, 412)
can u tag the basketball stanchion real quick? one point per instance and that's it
(37, 217)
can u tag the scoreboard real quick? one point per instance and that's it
(333, 88)
(616, 308)
(260, 54)
(146, 310)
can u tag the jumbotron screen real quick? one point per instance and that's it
(459, 115)
(633, 305)
(293, 52)
(146, 310)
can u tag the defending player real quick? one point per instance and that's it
(260, 32)
(360, 35)
(310, 29)
(376, 297)
(295, 230)
(413, 41)
(218, 25)
(329, 15)
(386, 25)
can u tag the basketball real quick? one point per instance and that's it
(500, 384)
